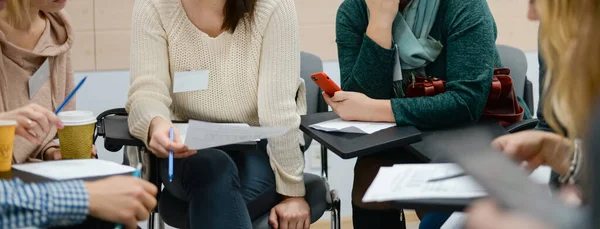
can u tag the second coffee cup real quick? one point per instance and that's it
(76, 138)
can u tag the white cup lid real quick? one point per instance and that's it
(8, 123)
(75, 118)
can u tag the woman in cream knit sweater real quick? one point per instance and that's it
(250, 50)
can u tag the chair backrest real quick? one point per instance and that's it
(309, 64)
(515, 59)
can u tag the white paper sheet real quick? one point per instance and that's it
(457, 220)
(74, 169)
(410, 181)
(182, 127)
(203, 135)
(339, 125)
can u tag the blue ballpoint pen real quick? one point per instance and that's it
(137, 173)
(70, 96)
(171, 156)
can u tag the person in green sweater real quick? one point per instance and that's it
(382, 45)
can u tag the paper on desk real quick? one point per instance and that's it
(204, 135)
(74, 169)
(339, 125)
(410, 181)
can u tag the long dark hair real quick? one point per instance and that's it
(235, 11)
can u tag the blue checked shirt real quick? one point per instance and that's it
(42, 204)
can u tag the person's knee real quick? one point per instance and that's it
(209, 166)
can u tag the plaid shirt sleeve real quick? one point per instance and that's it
(43, 204)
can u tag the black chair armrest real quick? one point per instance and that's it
(116, 134)
(528, 95)
(522, 125)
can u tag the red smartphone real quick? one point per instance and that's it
(325, 83)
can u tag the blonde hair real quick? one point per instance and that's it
(16, 11)
(571, 51)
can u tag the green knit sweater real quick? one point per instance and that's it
(468, 32)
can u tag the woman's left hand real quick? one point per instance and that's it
(54, 153)
(291, 213)
(354, 106)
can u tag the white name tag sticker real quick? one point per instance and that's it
(190, 81)
(39, 78)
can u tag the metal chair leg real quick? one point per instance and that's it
(336, 220)
(151, 221)
(161, 223)
(324, 163)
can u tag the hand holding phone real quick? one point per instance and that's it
(325, 83)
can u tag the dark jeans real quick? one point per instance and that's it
(434, 220)
(90, 223)
(219, 185)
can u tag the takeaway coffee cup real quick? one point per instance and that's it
(76, 138)
(7, 141)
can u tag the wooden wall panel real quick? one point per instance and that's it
(113, 14)
(83, 52)
(102, 28)
(112, 50)
(514, 28)
(81, 13)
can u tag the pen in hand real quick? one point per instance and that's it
(447, 177)
(171, 135)
(70, 96)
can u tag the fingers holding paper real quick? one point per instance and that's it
(537, 148)
(160, 143)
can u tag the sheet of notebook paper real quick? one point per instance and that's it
(74, 169)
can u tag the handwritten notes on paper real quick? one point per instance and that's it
(411, 181)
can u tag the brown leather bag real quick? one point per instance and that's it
(502, 104)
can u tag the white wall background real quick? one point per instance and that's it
(108, 89)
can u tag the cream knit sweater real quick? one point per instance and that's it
(254, 77)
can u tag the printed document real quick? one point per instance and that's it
(339, 125)
(204, 135)
(74, 169)
(457, 220)
(411, 181)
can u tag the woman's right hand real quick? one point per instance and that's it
(160, 143)
(121, 199)
(538, 148)
(383, 11)
(34, 122)
(381, 17)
